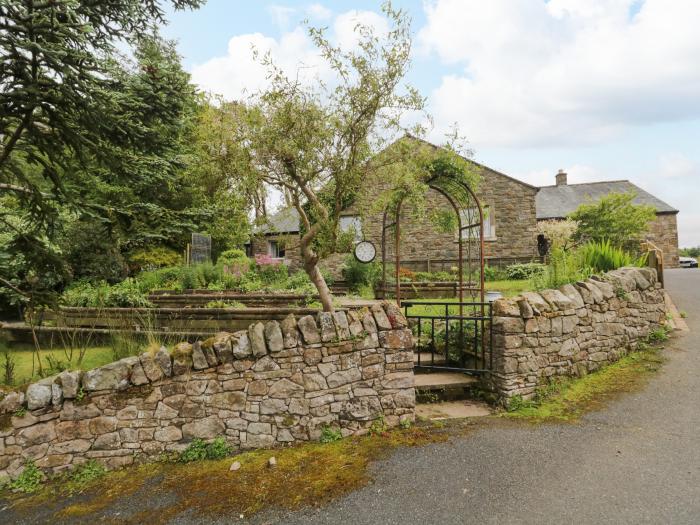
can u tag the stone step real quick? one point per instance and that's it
(442, 380)
(426, 358)
(444, 386)
(452, 409)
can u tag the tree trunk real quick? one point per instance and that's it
(324, 292)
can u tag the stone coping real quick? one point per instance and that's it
(260, 339)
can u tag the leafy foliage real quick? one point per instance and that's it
(564, 267)
(153, 257)
(524, 271)
(602, 256)
(615, 218)
(83, 475)
(100, 152)
(358, 275)
(559, 234)
(198, 450)
(330, 434)
(29, 480)
(316, 143)
(126, 293)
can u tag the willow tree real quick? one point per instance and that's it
(317, 142)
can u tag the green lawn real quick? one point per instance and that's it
(22, 357)
(509, 288)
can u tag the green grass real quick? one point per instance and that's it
(509, 288)
(568, 399)
(22, 355)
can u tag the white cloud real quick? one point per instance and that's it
(281, 15)
(676, 165)
(562, 72)
(576, 174)
(319, 12)
(238, 73)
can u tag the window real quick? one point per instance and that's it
(275, 249)
(351, 223)
(471, 216)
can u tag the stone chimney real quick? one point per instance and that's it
(561, 178)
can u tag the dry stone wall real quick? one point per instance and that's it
(573, 330)
(273, 384)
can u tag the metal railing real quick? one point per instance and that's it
(451, 336)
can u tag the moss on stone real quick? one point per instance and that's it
(568, 399)
(307, 474)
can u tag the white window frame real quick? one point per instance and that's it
(273, 249)
(489, 223)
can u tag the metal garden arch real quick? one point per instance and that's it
(466, 205)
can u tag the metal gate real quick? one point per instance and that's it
(451, 336)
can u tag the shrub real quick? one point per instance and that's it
(524, 271)
(272, 273)
(160, 279)
(127, 293)
(614, 217)
(563, 268)
(491, 273)
(234, 256)
(358, 275)
(430, 276)
(153, 258)
(602, 256)
(406, 274)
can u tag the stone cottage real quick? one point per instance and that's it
(558, 201)
(512, 210)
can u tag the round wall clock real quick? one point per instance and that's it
(365, 252)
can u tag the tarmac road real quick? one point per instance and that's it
(636, 461)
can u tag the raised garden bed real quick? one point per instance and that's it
(424, 290)
(200, 298)
(199, 320)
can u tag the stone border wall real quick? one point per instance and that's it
(273, 384)
(573, 330)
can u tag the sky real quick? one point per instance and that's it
(603, 89)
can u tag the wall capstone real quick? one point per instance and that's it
(270, 385)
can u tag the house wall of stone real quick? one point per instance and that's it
(274, 384)
(663, 232)
(292, 256)
(511, 206)
(573, 330)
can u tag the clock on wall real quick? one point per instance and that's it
(365, 252)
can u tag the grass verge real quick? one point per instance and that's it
(568, 399)
(23, 355)
(307, 474)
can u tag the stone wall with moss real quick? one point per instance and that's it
(271, 385)
(573, 330)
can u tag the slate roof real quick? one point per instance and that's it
(284, 221)
(556, 202)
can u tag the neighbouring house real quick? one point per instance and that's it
(512, 211)
(278, 238)
(558, 201)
